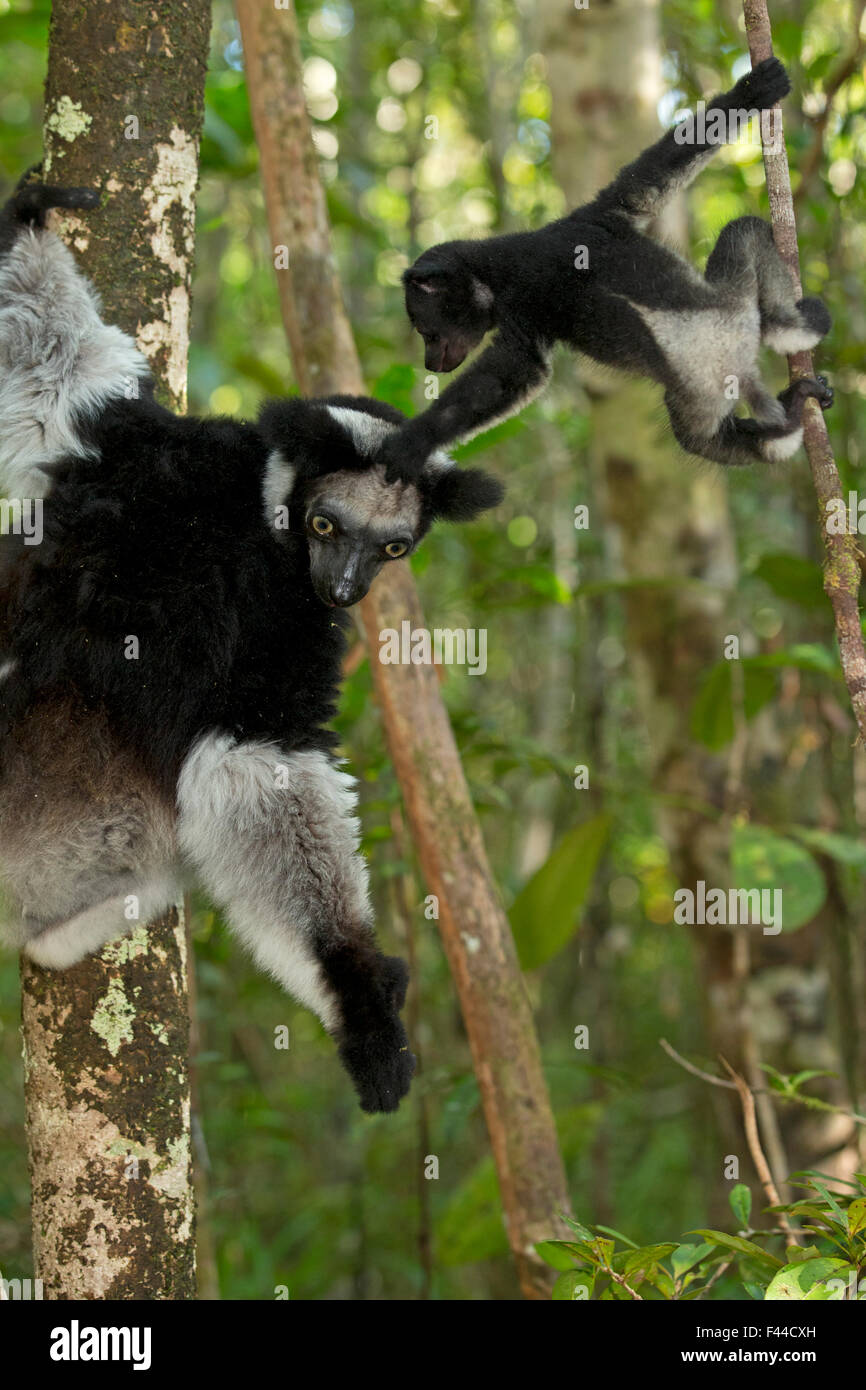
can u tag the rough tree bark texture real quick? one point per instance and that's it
(474, 928)
(842, 569)
(107, 1043)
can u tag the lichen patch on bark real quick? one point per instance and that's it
(113, 1017)
(68, 120)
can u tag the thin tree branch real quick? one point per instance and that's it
(472, 923)
(753, 1139)
(695, 1071)
(842, 569)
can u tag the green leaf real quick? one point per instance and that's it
(660, 1278)
(830, 1199)
(740, 1244)
(546, 911)
(559, 1254)
(804, 656)
(575, 1286)
(795, 1281)
(618, 1235)
(644, 1259)
(712, 719)
(857, 1217)
(848, 849)
(583, 1231)
(685, 1257)
(798, 1254)
(762, 859)
(604, 1249)
(740, 1199)
(791, 577)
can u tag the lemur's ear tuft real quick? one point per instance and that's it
(428, 278)
(461, 494)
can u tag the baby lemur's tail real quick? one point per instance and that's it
(642, 188)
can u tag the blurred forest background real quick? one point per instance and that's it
(605, 651)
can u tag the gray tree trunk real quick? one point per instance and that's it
(107, 1043)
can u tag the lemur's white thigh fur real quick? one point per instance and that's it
(274, 840)
(57, 359)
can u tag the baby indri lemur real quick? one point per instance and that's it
(171, 651)
(594, 281)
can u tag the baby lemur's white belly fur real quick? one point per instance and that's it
(712, 353)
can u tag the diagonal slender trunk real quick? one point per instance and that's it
(444, 827)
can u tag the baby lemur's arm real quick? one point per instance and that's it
(642, 188)
(459, 291)
(507, 375)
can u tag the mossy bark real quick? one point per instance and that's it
(445, 830)
(107, 1043)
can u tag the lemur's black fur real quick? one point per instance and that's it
(593, 281)
(174, 647)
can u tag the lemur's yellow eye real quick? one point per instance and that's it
(394, 549)
(322, 526)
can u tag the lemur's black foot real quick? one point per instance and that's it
(373, 1045)
(761, 88)
(794, 396)
(828, 396)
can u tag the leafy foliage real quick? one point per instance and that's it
(831, 1269)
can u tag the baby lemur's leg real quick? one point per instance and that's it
(736, 441)
(745, 253)
(273, 837)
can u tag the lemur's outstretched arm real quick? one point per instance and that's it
(507, 375)
(641, 189)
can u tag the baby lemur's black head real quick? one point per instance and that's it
(448, 305)
(321, 467)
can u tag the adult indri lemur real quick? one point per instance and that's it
(171, 652)
(594, 281)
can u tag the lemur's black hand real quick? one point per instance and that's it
(374, 1048)
(401, 462)
(761, 88)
